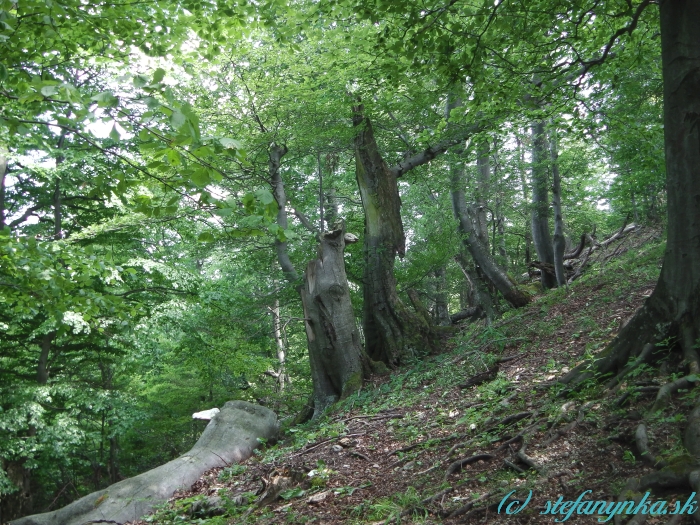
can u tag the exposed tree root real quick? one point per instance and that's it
(665, 392)
(429, 441)
(483, 377)
(642, 441)
(554, 433)
(644, 357)
(458, 465)
(522, 456)
(624, 397)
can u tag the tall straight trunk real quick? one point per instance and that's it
(559, 242)
(338, 363)
(331, 207)
(526, 196)
(673, 309)
(483, 185)
(279, 344)
(392, 332)
(540, 202)
(442, 314)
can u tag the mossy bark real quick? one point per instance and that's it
(392, 331)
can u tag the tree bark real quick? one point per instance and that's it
(540, 202)
(392, 332)
(478, 251)
(526, 196)
(559, 243)
(441, 314)
(276, 153)
(230, 437)
(338, 363)
(674, 306)
(483, 182)
(279, 343)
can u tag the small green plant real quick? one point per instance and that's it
(231, 472)
(628, 456)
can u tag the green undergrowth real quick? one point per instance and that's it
(561, 328)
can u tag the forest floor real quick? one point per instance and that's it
(429, 445)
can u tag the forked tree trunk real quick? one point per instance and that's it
(674, 306)
(540, 202)
(559, 243)
(392, 331)
(338, 363)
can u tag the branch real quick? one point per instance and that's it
(159, 289)
(627, 29)
(305, 221)
(430, 153)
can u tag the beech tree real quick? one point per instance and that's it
(672, 309)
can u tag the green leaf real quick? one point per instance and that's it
(49, 91)
(158, 75)
(265, 196)
(206, 237)
(140, 81)
(200, 177)
(114, 134)
(177, 119)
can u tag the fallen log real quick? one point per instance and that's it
(230, 437)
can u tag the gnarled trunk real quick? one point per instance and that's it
(392, 331)
(338, 362)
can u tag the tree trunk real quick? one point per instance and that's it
(392, 332)
(674, 307)
(442, 314)
(279, 343)
(276, 153)
(338, 363)
(526, 197)
(483, 182)
(559, 243)
(230, 437)
(478, 251)
(540, 202)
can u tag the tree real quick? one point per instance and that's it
(674, 307)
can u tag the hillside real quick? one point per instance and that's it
(446, 439)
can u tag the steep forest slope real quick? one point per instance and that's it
(446, 439)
